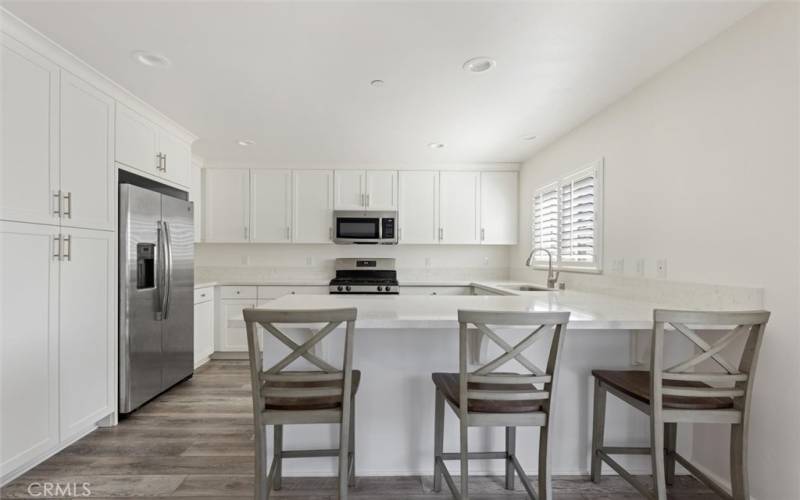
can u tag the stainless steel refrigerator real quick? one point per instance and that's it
(156, 294)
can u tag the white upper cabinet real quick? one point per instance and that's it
(499, 208)
(143, 145)
(459, 202)
(381, 190)
(196, 196)
(29, 161)
(136, 141)
(350, 189)
(271, 206)
(86, 375)
(419, 207)
(88, 183)
(28, 342)
(227, 205)
(313, 206)
(176, 158)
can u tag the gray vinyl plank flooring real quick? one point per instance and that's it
(196, 443)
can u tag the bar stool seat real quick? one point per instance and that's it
(308, 403)
(636, 384)
(447, 383)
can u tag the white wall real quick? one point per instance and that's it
(702, 169)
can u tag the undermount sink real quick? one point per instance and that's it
(530, 288)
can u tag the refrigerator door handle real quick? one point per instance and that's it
(161, 278)
(168, 270)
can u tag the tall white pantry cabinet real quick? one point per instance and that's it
(58, 246)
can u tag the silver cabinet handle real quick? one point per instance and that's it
(158, 162)
(57, 203)
(368, 199)
(245, 232)
(288, 233)
(67, 243)
(363, 200)
(399, 233)
(330, 233)
(483, 234)
(164, 157)
(68, 199)
(441, 233)
(57, 247)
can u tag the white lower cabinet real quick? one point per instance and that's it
(203, 325)
(57, 343)
(87, 329)
(28, 343)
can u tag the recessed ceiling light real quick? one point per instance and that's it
(377, 83)
(529, 138)
(479, 65)
(245, 142)
(436, 145)
(151, 59)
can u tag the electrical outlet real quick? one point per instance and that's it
(245, 260)
(618, 266)
(640, 267)
(309, 261)
(427, 262)
(661, 268)
(486, 261)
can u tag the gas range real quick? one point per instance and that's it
(365, 276)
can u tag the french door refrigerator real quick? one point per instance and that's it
(156, 294)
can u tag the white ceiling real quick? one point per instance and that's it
(294, 77)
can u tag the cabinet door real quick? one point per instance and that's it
(232, 330)
(87, 160)
(349, 189)
(419, 207)
(28, 342)
(459, 207)
(382, 190)
(87, 329)
(203, 331)
(313, 206)
(177, 162)
(499, 210)
(29, 135)
(136, 141)
(227, 205)
(271, 206)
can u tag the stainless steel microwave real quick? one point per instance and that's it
(365, 227)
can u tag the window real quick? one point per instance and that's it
(567, 221)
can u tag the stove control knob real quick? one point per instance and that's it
(380, 288)
(339, 288)
(387, 288)
(347, 288)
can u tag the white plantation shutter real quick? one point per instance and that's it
(567, 220)
(577, 245)
(545, 221)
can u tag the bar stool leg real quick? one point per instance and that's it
(670, 441)
(598, 429)
(739, 479)
(545, 473)
(261, 484)
(344, 440)
(464, 459)
(438, 441)
(657, 455)
(277, 456)
(352, 446)
(511, 445)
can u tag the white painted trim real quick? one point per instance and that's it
(48, 48)
(160, 180)
(421, 166)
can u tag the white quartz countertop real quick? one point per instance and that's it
(589, 311)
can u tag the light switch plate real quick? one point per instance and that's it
(309, 261)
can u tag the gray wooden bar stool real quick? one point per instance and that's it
(680, 394)
(500, 399)
(324, 396)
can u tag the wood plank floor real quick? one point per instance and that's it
(196, 441)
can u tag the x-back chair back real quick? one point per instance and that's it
(282, 396)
